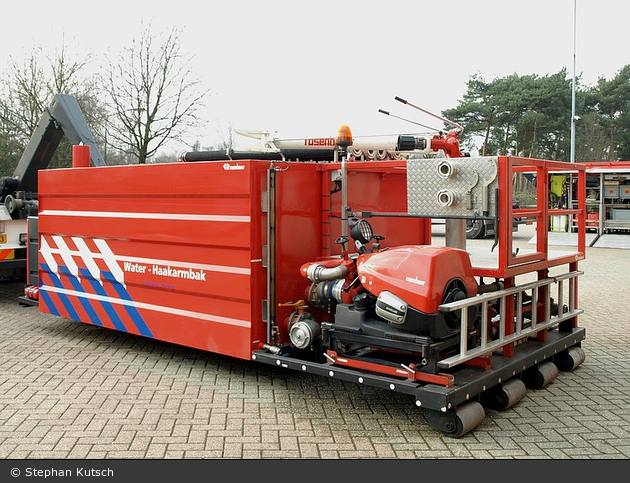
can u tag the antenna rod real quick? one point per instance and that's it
(454, 124)
(403, 119)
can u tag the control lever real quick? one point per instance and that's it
(377, 245)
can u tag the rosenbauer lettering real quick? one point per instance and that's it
(320, 142)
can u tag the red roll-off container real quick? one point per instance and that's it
(181, 252)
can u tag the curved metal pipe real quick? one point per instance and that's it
(319, 273)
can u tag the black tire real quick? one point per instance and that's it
(475, 229)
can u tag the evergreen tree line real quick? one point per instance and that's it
(530, 116)
(527, 116)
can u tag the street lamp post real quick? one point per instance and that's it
(573, 116)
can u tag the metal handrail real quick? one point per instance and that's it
(486, 346)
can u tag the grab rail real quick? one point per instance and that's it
(487, 345)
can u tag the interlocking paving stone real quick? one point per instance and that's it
(74, 391)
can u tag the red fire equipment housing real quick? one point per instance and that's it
(321, 267)
(449, 144)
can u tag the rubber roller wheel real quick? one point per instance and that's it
(469, 415)
(543, 375)
(571, 359)
(505, 396)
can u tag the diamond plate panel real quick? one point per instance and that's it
(452, 187)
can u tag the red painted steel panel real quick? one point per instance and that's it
(118, 225)
(159, 181)
(173, 252)
(381, 187)
(298, 240)
(177, 251)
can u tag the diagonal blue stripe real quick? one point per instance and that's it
(47, 299)
(65, 300)
(122, 292)
(108, 307)
(85, 303)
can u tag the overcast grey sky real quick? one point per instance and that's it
(305, 68)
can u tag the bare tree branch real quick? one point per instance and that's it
(153, 94)
(28, 87)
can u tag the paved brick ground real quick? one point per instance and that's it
(73, 391)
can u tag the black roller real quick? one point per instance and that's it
(570, 359)
(537, 377)
(504, 396)
(469, 415)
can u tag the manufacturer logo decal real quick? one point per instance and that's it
(415, 280)
(229, 167)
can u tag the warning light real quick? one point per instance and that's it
(344, 137)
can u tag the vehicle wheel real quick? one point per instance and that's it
(570, 359)
(540, 376)
(469, 416)
(505, 396)
(475, 229)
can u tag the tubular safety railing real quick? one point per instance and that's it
(522, 327)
